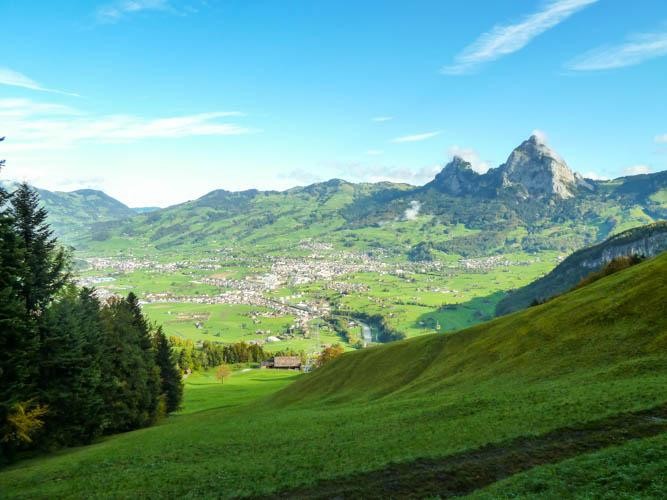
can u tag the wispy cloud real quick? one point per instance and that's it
(471, 156)
(362, 172)
(637, 170)
(594, 176)
(43, 126)
(416, 137)
(16, 79)
(114, 12)
(636, 49)
(381, 119)
(300, 176)
(502, 40)
(661, 139)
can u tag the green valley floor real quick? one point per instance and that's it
(585, 373)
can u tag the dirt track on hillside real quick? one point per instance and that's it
(465, 472)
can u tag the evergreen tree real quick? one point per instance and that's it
(172, 383)
(70, 368)
(43, 272)
(132, 378)
(18, 344)
(143, 329)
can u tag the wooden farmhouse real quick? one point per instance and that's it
(283, 362)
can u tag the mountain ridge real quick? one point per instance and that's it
(530, 203)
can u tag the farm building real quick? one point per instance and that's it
(283, 362)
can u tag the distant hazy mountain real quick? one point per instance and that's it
(645, 241)
(531, 203)
(144, 210)
(71, 214)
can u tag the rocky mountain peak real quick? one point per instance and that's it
(535, 170)
(457, 177)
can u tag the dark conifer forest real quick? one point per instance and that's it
(71, 368)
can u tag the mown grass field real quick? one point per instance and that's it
(590, 354)
(203, 391)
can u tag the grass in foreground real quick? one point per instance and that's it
(588, 355)
(637, 469)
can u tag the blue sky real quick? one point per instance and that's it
(160, 101)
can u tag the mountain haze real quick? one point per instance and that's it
(532, 202)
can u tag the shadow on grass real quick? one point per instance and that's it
(452, 317)
(462, 473)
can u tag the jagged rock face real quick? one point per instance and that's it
(457, 178)
(533, 170)
(536, 171)
(649, 245)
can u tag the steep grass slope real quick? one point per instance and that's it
(585, 356)
(647, 241)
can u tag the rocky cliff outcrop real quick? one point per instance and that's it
(533, 170)
(645, 241)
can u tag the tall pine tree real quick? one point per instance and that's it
(132, 378)
(170, 375)
(18, 344)
(143, 328)
(44, 262)
(71, 368)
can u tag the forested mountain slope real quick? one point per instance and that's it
(533, 202)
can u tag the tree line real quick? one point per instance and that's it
(71, 368)
(191, 357)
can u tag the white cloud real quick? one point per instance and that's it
(380, 119)
(637, 49)
(637, 170)
(21, 108)
(358, 172)
(374, 152)
(471, 156)
(412, 211)
(44, 126)
(594, 176)
(300, 176)
(416, 137)
(661, 139)
(506, 39)
(16, 79)
(114, 12)
(541, 136)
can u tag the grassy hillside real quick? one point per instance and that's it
(72, 213)
(645, 241)
(364, 216)
(637, 469)
(586, 356)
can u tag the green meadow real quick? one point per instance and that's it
(203, 391)
(587, 355)
(637, 469)
(230, 323)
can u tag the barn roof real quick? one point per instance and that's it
(286, 361)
